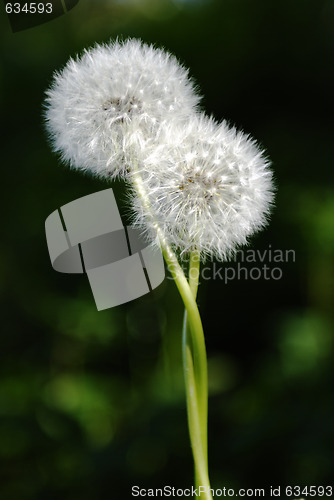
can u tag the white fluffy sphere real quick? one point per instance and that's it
(99, 100)
(208, 186)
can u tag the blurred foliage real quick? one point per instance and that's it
(93, 402)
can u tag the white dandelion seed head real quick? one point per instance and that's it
(209, 187)
(98, 101)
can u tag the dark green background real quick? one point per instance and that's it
(91, 402)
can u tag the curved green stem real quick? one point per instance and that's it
(194, 422)
(194, 266)
(201, 401)
(195, 367)
(194, 352)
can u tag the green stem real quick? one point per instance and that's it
(195, 368)
(188, 364)
(193, 279)
(194, 265)
(194, 352)
(194, 423)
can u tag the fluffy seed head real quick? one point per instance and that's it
(98, 101)
(209, 187)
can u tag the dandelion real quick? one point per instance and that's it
(198, 187)
(209, 187)
(98, 101)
